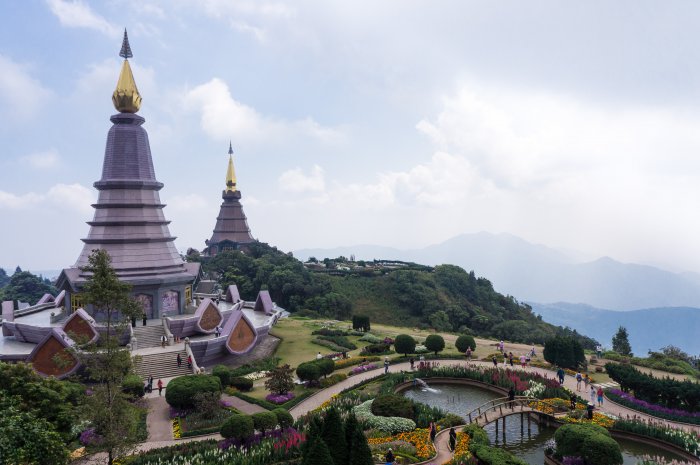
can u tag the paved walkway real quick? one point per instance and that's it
(160, 429)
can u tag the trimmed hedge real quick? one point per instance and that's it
(465, 342)
(223, 373)
(404, 344)
(264, 421)
(238, 427)
(376, 349)
(591, 442)
(284, 418)
(393, 405)
(180, 392)
(242, 384)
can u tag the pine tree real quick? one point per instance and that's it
(317, 453)
(351, 425)
(313, 432)
(621, 343)
(334, 436)
(360, 453)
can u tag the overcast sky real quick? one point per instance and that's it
(402, 123)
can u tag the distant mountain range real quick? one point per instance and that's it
(536, 273)
(650, 328)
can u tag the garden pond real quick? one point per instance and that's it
(528, 445)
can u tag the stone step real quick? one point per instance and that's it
(162, 365)
(148, 336)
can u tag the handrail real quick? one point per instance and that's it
(518, 401)
(166, 329)
(190, 354)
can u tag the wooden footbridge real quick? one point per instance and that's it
(502, 407)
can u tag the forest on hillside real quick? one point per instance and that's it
(24, 286)
(445, 297)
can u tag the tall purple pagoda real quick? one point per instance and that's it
(129, 222)
(231, 231)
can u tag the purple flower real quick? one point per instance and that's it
(178, 412)
(279, 398)
(225, 403)
(363, 368)
(90, 437)
(651, 408)
(569, 460)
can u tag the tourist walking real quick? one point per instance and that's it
(386, 365)
(495, 362)
(579, 378)
(586, 380)
(179, 361)
(150, 383)
(501, 346)
(433, 431)
(413, 363)
(468, 353)
(144, 319)
(389, 457)
(160, 387)
(510, 358)
(189, 361)
(600, 396)
(593, 395)
(560, 375)
(523, 361)
(453, 439)
(163, 340)
(505, 360)
(511, 397)
(319, 356)
(599, 351)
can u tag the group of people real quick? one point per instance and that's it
(149, 385)
(179, 361)
(595, 394)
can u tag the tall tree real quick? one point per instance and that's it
(26, 287)
(621, 343)
(108, 409)
(334, 436)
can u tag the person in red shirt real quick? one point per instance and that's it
(160, 387)
(600, 396)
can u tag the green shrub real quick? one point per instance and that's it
(284, 418)
(376, 349)
(328, 332)
(465, 342)
(181, 391)
(333, 379)
(238, 427)
(450, 420)
(309, 371)
(264, 421)
(361, 323)
(341, 341)
(223, 373)
(434, 343)
(371, 338)
(326, 366)
(392, 405)
(477, 435)
(564, 352)
(242, 384)
(488, 455)
(602, 450)
(404, 344)
(592, 442)
(133, 385)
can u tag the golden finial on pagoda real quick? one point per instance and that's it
(126, 97)
(230, 173)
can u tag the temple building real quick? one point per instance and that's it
(129, 222)
(231, 231)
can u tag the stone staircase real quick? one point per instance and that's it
(148, 336)
(162, 365)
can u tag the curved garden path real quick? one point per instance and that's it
(160, 430)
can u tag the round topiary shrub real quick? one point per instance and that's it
(465, 342)
(242, 384)
(284, 418)
(223, 373)
(404, 344)
(238, 427)
(264, 421)
(592, 442)
(434, 343)
(309, 371)
(392, 405)
(181, 391)
(326, 366)
(133, 385)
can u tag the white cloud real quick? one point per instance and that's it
(258, 33)
(42, 160)
(20, 92)
(65, 196)
(78, 14)
(223, 117)
(295, 180)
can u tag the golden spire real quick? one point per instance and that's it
(230, 173)
(126, 97)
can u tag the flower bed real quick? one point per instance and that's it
(462, 456)
(348, 362)
(279, 398)
(363, 368)
(419, 438)
(687, 441)
(388, 425)
(628, 400)
(256, 375)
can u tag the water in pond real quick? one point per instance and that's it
(528, 445)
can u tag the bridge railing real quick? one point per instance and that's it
(519, 402)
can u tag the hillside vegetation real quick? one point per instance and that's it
(445, 297)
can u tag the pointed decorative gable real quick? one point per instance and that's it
(52, 356)
(232, 294)
(81, 327)
(264, 303)
(45, 299)
(208, 316)
(58, 302)
(240, 333)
